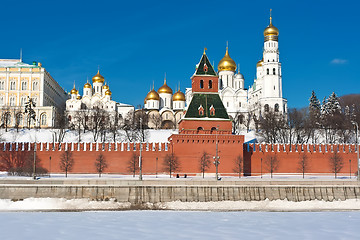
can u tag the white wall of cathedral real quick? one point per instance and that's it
(238, 82)
(178, 105)
(87, 92)
(152, 104)
(275, 104)
(165, 100)
(97, 88)
(226, 79)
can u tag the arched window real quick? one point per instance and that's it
(12, 101)
(210, 84)
(201, 84)
(1, 101)
(35, 85)
(199, 129)
(12, 85)
(276, 107)
(24, 86)
(274, 71)
(43, 119)
(2, 85)
(213, 129)
(267, 71)
(266, 107)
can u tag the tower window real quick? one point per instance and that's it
(267, 71)
(210, 84)
(274, 71)
(276, 107)
(201, 84)
(266, 107)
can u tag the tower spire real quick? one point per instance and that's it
(165, 78)
(270, 17)
(205, 50)
(239, 68)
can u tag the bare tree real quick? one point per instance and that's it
(204, 163)
(29, 109)
(239, 163)
(171, 163)
(133, 164)
(100, 164)
(66, 162)
(61, 125)
(155, 120)
(336, 163)
(6, 117)
(78, 119)
(272, 164)
(99, 120)
(303, 163)
(135, 125)
(114, 126)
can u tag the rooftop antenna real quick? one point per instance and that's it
(20, 54)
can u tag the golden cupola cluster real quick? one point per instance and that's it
(98, 78)
(227, 63)
(87, 85)
(106, 86)
(271, 32)
(108, 92)
(74, 91)
(165, 88)
(178, 96)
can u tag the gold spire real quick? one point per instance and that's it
(165, 88)
(74, 91)
(205, 50)
(271, 32)
(227, 63)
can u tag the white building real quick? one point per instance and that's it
(97, 95)
(164, 108)
(264, 95)
(19, 82)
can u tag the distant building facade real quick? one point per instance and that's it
(19, 82)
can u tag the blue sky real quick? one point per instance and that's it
(135, 43)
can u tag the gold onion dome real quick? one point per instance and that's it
(165, 88)
(106, 86)
(74, 91)
(152, 95)
(178, 96)
(271, 30)
(78, 97)
(227, 63)
(98, 78)
(108, 92)
(87, 85)
(260, 63)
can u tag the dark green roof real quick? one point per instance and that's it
(206, 100)
(200, 68)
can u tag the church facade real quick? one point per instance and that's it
(95, 96)
(264, 95)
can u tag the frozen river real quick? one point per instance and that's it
(179, 225)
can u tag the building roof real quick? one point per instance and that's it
(200, 68)
(206, 100)
(16, 63)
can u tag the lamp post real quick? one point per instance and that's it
(50, 167)
(34, 167)
(156, 167)
(350, 168)
(140, 162)
(357, 151)
(216, 157)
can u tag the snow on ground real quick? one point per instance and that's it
(37, 204)
(49, 135)
(179, 225)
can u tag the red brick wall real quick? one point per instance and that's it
(289, 158)
(189, 148)
(195, 84)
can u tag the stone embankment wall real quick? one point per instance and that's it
(137, 192)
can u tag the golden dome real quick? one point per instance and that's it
(227, 63)
(260, 63)
(165, 88)
(178, 96)
(152, 95)
(106, 86)
(74, 91)
(271, 32)
(108, 92)
(87, 85)
(78, 97)
(98, 78)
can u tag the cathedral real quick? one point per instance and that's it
(97, 95)
(164, 109)
(244, 105)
